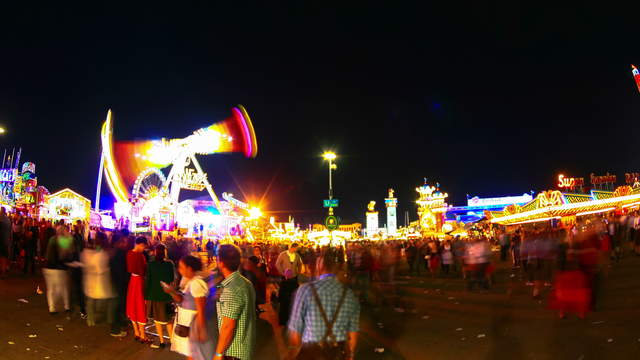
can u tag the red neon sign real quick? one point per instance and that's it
(569, 183)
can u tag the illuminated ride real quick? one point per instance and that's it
(636, 76)
(431, 207)
(144, 195)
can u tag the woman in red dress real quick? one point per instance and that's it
(136, 309)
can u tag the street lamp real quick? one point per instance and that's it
(2, 130)
(330, 156)
(255, 213)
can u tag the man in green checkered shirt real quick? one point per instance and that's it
(236, 308)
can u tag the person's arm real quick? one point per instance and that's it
(227, 330)
(299, 264)
(201, 320)
(175, 295)
(353, 325)
(295, 342)
(352, 342)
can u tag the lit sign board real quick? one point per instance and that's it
(330, 203)
(391, 202)
(505, 200)
(603, 179)
(631, 178)
(8, 175)
(235, 202)
(569, 183)
(191, 180)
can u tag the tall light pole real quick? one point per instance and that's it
(330, 156)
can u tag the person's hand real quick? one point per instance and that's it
(167, 288)
(269, 315)
(288, 274)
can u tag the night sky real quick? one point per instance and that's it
(488, 100)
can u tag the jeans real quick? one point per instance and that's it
(57, 288)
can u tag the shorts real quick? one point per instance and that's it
(158, 310)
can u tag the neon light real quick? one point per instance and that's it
(251, 145)
(631, 205)
(595, 211)
(636, 76)
(631, 178)
(8, 175)
(497, 201)
(566, 207)
(569, 183)
(113, 177)
(537, 220)
(602, 179)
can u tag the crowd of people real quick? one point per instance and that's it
(206, 307)
(201, 309)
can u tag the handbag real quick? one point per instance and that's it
(181, 330)
(184, 319)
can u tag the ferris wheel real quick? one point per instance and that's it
(149, 184)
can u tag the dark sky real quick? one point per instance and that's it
(488, 100)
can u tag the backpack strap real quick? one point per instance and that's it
(329, 324)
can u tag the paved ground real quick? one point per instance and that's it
(429, 319)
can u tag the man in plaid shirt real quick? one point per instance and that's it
(236, 308)
(308, 333)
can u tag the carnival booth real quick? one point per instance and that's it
(201, 219)
(67, 205)
(553, 205)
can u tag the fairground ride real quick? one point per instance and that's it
(133, 169)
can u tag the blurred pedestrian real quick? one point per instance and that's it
(289, 264)
(5, 242)
(447, 257)
(159, 271)
(30, 248)
(55, 271)
(120, 282)
(190, 335)
(97, 281)
(136, 309)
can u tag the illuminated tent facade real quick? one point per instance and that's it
(553, 204)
